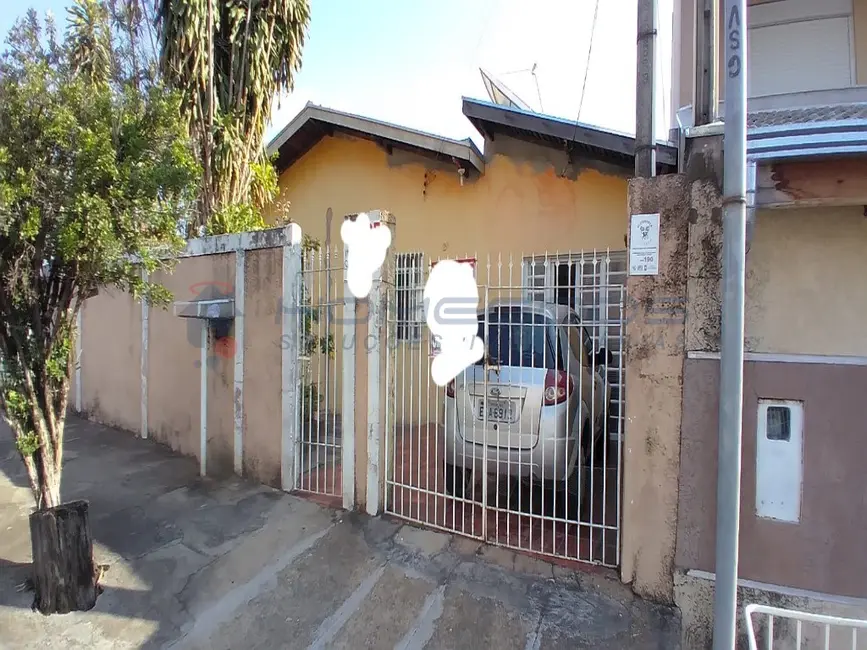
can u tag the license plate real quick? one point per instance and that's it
(498, 410)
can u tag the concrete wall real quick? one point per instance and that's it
(111, 368)
(174, 362)
(824, 551)
(654, 366)
(803, 301)
(263, 274)
(694, 595)
(803, 291)
(518, 205)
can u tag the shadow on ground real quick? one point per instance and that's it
(227, 564)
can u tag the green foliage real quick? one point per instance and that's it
(234, 217)
(27, 443)
(96, 168)
(229, 59)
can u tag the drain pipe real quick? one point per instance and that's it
(752, 180)
(731, 397)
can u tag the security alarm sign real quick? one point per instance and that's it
(644, 244)
(434, 339)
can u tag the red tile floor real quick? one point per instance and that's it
(519, 517)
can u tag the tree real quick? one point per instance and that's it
(95, 170)
(230, 59)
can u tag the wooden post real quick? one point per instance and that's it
(64, 575)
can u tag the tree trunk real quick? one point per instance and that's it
(64, 575)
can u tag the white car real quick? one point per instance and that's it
(535, 405)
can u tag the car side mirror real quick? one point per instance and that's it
(603, 357)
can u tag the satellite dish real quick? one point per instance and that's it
(500, 93)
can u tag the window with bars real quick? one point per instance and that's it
(409, 287)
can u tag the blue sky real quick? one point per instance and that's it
(409, 62)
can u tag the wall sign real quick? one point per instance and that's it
(434, 339)
(644, 244)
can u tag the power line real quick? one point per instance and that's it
(587, 65)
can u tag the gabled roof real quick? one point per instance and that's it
(589, 141)
(315, 122)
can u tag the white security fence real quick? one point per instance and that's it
(523, 449)
(321, 357)
(775, 628)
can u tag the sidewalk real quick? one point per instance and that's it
(230, 564)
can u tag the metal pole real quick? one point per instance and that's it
(645, 91)
(706, 61)
(731, 401)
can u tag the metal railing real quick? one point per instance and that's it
(457, 463)
(796, 630)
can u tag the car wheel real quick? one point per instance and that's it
(457, 480)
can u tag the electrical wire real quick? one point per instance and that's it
(587, 65)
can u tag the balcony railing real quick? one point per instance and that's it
(775, 628)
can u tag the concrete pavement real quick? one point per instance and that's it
(230, 564)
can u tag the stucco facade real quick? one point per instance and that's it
(518, 206)
(526, 203)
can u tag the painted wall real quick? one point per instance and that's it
(683, 62)
(804, 294)
(654, 367)
(520, 206)
(824, 551)
(111, 365)
(517, 205)
(174, 375)
(263, 279)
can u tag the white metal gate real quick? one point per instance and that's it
(321, 354)
(775, 627)
(508, 453)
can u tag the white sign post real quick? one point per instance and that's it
(644, 244)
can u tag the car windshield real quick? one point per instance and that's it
(516, 337)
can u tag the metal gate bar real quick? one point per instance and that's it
(510, 500)
(320, 357)
(799, 630)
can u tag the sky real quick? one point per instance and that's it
(409, 62)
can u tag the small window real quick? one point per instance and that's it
(409, 287)
(779, 423)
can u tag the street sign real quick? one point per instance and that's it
(644, 244)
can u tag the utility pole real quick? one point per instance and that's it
(645, 91)
(731, 398)
(705, 96)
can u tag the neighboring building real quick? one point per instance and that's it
(803, 510)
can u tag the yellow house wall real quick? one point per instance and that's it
(804, 271)
(520, 206)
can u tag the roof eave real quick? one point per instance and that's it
(464, 151)
(487, 117)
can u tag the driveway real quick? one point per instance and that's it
(230, 564)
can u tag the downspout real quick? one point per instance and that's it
(645, 91)
(752, 180)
